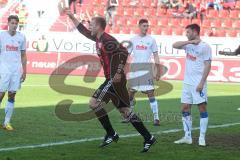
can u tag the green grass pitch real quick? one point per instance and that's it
(36, 123)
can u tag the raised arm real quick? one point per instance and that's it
(81, 28)
(181, 44)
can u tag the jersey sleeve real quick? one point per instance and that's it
(154, 46)
(184, 47)
(207, 53)
(23, 44)
(87, 33)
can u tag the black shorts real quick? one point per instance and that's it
(116, 92)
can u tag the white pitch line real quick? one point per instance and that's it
(100, 138)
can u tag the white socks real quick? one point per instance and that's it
(154, 107)
(8, 112)
(203, 124)
(187, 124)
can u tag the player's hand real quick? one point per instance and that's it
(195, 41)
(117, 77)
(158, 75)
(23, 77)
(200, 87)
(69, 12)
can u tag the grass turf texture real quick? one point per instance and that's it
(35, 122)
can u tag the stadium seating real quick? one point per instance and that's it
(161, 20)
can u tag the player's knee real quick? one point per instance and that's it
(124, 111)
(150, 94)
(186, 108)
(11, 96)
(93, 104)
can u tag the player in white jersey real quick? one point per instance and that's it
(198, 65)
(143, 47)
(12, 66)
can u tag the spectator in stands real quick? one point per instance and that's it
(73, 3)
(212, 32)
(190, 10)
(22, 15)
(164, 3)
(111, 11)
(229, 4)
(3, 3)
(176, 4)
(216, 4)
(201, 9)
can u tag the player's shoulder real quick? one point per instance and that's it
(20, 34)
(205, 44)
(134, 38)
(3, 33)
(108, 37)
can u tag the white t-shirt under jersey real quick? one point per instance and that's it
(195, 57)
(142, 48)
(10, 52)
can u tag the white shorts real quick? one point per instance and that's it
(10, 82)
(191, 96)
(141, 78)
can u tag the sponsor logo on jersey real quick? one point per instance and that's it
(11, 48)
(141, 47)
(191, 57)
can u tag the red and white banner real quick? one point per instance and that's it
(224, 70)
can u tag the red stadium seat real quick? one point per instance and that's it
(234, 14)
(121, 21)
(161, 12)
(232, 33)
(128, 11)
(163, 22)
(236, 24)
(135, 30)
(132, 22)
(125, 30)
(223, 14)
(221, 33)
(175, 22)
(146, 3)
(227, 23)
(206, 23)
(115, 30)
(167, 31)
(216, 23)
(196, 21)
(120, 11)
(185, 22)
(150, 12)
(212, 13)
(177, 31)
(238, 5)
(125, 2)
(156, 31)
(153, 22)
(149, 30)
(139, 12)
(108, 29)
